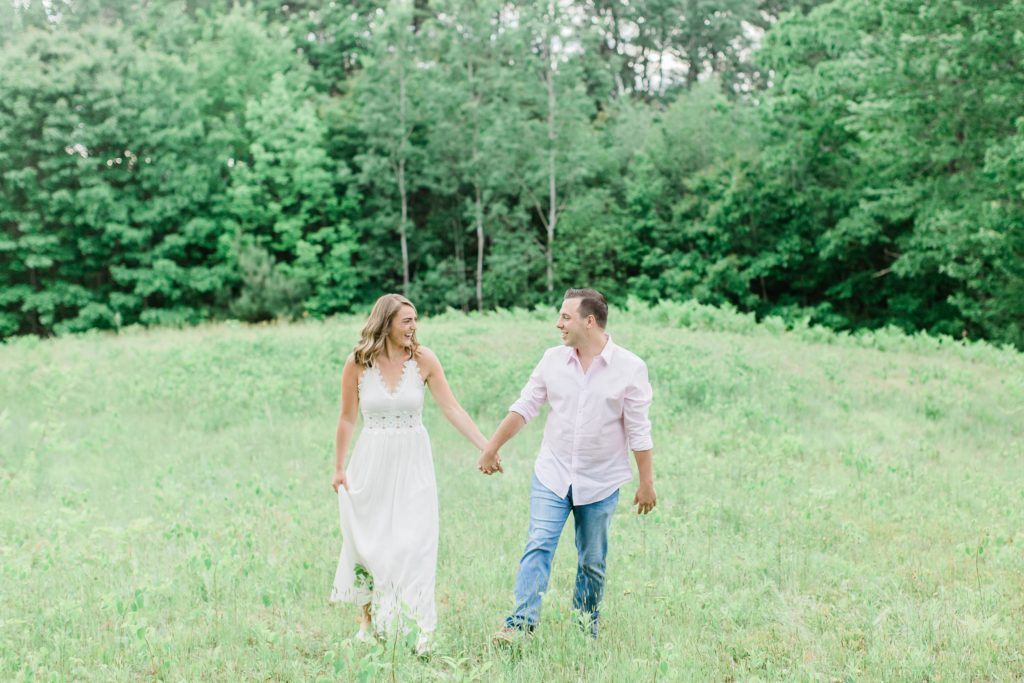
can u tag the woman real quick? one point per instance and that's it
(387, 495)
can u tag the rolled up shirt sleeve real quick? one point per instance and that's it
(533, 396)
(636, 405)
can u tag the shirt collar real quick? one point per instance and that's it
(606, 352)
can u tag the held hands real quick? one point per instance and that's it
(645, 498)
(339, 480)
(489, 462)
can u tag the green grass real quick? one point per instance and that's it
(830, 508)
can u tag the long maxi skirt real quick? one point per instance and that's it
(389, 529)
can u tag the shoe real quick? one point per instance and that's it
(423, 646)
(588, 626)
(509, 635)
(363, 635)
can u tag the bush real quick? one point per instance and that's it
(267, 291)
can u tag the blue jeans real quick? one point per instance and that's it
(548, 514)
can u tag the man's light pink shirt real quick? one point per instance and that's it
(595, 416)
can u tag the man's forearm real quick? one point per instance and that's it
(645, 498)
(508, 428)
(645, 465)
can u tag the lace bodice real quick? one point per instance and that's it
(384, 408)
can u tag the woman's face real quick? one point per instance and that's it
(403, 325)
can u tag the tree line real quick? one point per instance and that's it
(854, 163)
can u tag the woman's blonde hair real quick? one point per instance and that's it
(375, 331)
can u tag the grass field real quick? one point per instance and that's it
(830, 508)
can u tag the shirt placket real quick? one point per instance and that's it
(581, 386)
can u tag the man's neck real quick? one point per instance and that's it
(592, 347)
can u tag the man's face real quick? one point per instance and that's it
(570, 324)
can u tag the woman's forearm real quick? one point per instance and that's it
(461, 420)
(342, 437)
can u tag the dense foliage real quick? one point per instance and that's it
(856, 163)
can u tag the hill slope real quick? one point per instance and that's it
(827, 509)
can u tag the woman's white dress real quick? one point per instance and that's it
(389, 517)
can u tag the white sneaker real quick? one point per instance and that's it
(422, 645)
(363, 635)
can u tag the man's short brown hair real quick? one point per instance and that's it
(592, 302)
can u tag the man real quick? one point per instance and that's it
(599, 396)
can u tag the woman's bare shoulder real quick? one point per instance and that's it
(427, 358)
(351, 364)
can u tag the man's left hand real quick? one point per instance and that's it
(645, 498)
